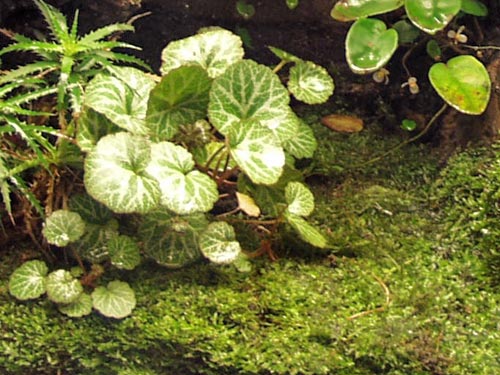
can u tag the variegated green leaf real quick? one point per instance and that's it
(257, 151)
(183, 190)
(218, 243)
(80, 307)
(93, 246)
(89, 209)
(62, 287)
(115, 174)
(180, 98)
(92, 126)
(124, 252)
(172, 240)
(299, 198)
(122, 97)
(214, 50)
(310, 83)
(63, 227)
(249, 91)
(303, 144)
(306, 231)
(117, 300)
(28, 280)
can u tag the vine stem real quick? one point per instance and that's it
(404, 143)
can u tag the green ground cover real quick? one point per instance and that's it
(411, 286)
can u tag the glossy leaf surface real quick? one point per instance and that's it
(350, 10)
(431, 15)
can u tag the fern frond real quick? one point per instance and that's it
(21, 185)
(129, 59)
(18, 100)
(74, 27)
(27, 70)
(55, 20)
(103, 32)
(33, 46)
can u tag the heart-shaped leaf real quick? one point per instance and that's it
(81, 307)
(303, 143)
(407, 33)
(117, 300)
(474, 7)
(62, 287)
(249, 91)
(463, 83)
(124, 252)
(218, 243)
(183, 190)
(310, 83)
(121, 97)
(180, 98)
(432, 16)
(299, 198)
(28, 280)
(115, 174)
(257, 151)
(369, 45)
(306, 231)
(214, 50)
(93, 246)
(63, 227)
(172, 240)
(349, 10)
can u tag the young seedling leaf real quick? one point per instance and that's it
(310, 83)
(463, 83)
(303, 143)
(93, 246)
(432, 16)
(122, 97)
(407, 32)
(124, 252)
(63, 227)
(299, 198)
(474, 7)
(28, 280)
(257, 151)
(369, 45)
(183, 190)
(350, 10)
(171, 240)
(433, 50)
(80, 307)
(180, 98)
(218, 243)
(214, 50)
(117, 300)
(306, 231)
(62, 287)
(249, 91)
(89, 209)
(115, 174)
(284, 55)
(92, 126)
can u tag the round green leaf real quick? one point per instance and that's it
(310, 83)
(369, 45)
(93, 246)
(171, 240)
(121, 97)
(257, 151)
(63, 227)
(249, 91)
(463, 83)
(431, 16)
(124, 252)
(244, 9)
(183, 190)
(115, 174)
(303, 143)
(180, 98)
(28, 280)
(117, 300)
(306, 231)
(89, 209)
(214, 50)
(407, 33)
(349, 10)
(62, 287)
(408, 125)
(474, 7)
(218, 243)
(81, 307)
(299, 198)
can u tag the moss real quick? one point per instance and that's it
(398, 295)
